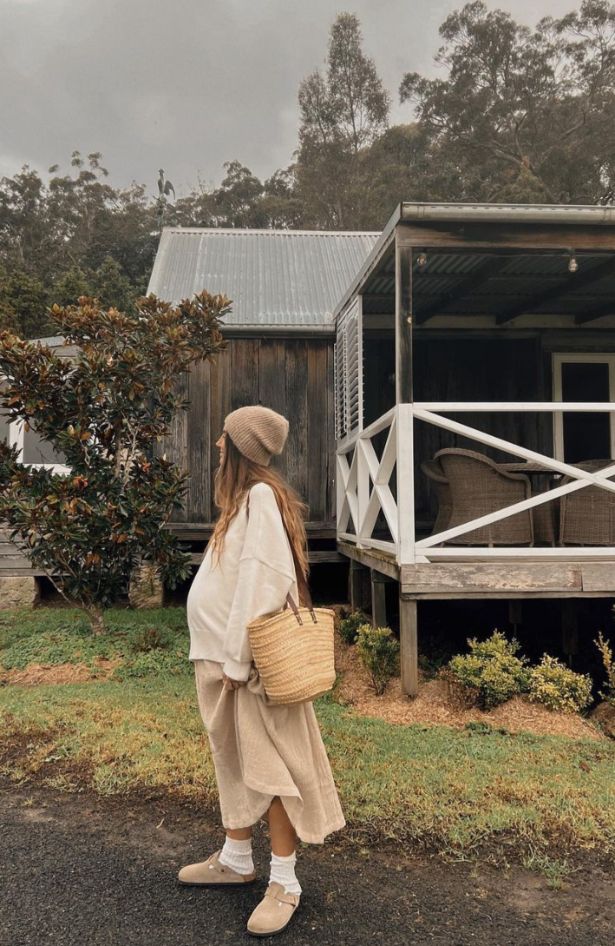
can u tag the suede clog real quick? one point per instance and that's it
(211, 873)
(274, 912)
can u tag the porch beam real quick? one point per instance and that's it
(605, 308)
(384, 299)
(479, 275)
(505, 237)
(512, 406)
(403, 324)
(599, 477)
(571, 282)
(476, 553)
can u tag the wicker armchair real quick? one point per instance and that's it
(587, 516)
(434, 472)
(479, 487)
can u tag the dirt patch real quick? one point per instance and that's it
(43, 674)
(434, 707)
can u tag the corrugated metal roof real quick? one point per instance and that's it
(533, 283)
(375, 275)
(275, 278)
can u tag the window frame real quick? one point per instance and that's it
(16, 439)
(558, 359)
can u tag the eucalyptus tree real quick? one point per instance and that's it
(343, 112)
(522, 114)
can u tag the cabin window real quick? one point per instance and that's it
(39, 451)
(32, 447)
(5, 427)
(588, 376)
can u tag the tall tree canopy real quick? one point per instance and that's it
(523, 114)
(343, 112)
(518, 114)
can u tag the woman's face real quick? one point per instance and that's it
(220, 442)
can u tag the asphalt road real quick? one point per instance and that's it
(79, 870)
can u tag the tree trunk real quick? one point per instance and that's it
(96, 616)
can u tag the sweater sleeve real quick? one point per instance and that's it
(266, 574)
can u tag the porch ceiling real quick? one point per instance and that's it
(504, 284)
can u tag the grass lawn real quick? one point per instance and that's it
(541, 798)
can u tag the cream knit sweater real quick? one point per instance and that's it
(255, 573)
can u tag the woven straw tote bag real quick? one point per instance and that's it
(293, 648)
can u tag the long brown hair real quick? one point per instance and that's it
(232, 480)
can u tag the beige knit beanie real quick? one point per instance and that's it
(257, 432)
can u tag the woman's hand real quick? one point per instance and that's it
(230, 684)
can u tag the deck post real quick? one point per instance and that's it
(379, 601)
(408, 641)
(515, 613)
(403, 396)
(403, 324)
(570, 628)
(356, 581)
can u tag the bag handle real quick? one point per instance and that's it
(301, 581)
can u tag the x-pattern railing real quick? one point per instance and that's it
(363, 488)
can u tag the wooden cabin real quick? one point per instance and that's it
(480, 338)
(284, 286)
(475, 424)
(18, 585)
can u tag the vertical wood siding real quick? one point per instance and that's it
(293, 377)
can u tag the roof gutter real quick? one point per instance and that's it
(583, 214)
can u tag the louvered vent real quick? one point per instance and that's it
(348, 372)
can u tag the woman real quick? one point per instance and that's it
(268, 759)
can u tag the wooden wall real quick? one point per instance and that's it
(293, 376)
(448, 368)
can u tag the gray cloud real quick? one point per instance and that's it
(191, 84)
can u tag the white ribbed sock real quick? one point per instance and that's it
(237, 855)
(283, 872)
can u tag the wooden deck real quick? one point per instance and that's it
(14, 563)
(513, 580)
(572, 578)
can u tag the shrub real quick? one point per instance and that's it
(609, 665)
(349, 626)
(491, 673)
(559, 687)
(152, 638)
(379, 653)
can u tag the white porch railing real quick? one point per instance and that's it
(363, 489)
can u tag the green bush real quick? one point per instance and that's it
(379, 653)
(559, 687)
(349, 626)
(150, 637)
(491, 673)
(609, 665)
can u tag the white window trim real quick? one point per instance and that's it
(16, 439)
(557, 360)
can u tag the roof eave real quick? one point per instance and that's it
(580, 214)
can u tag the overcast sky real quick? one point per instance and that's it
(189, 84)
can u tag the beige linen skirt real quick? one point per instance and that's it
(261, 751)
